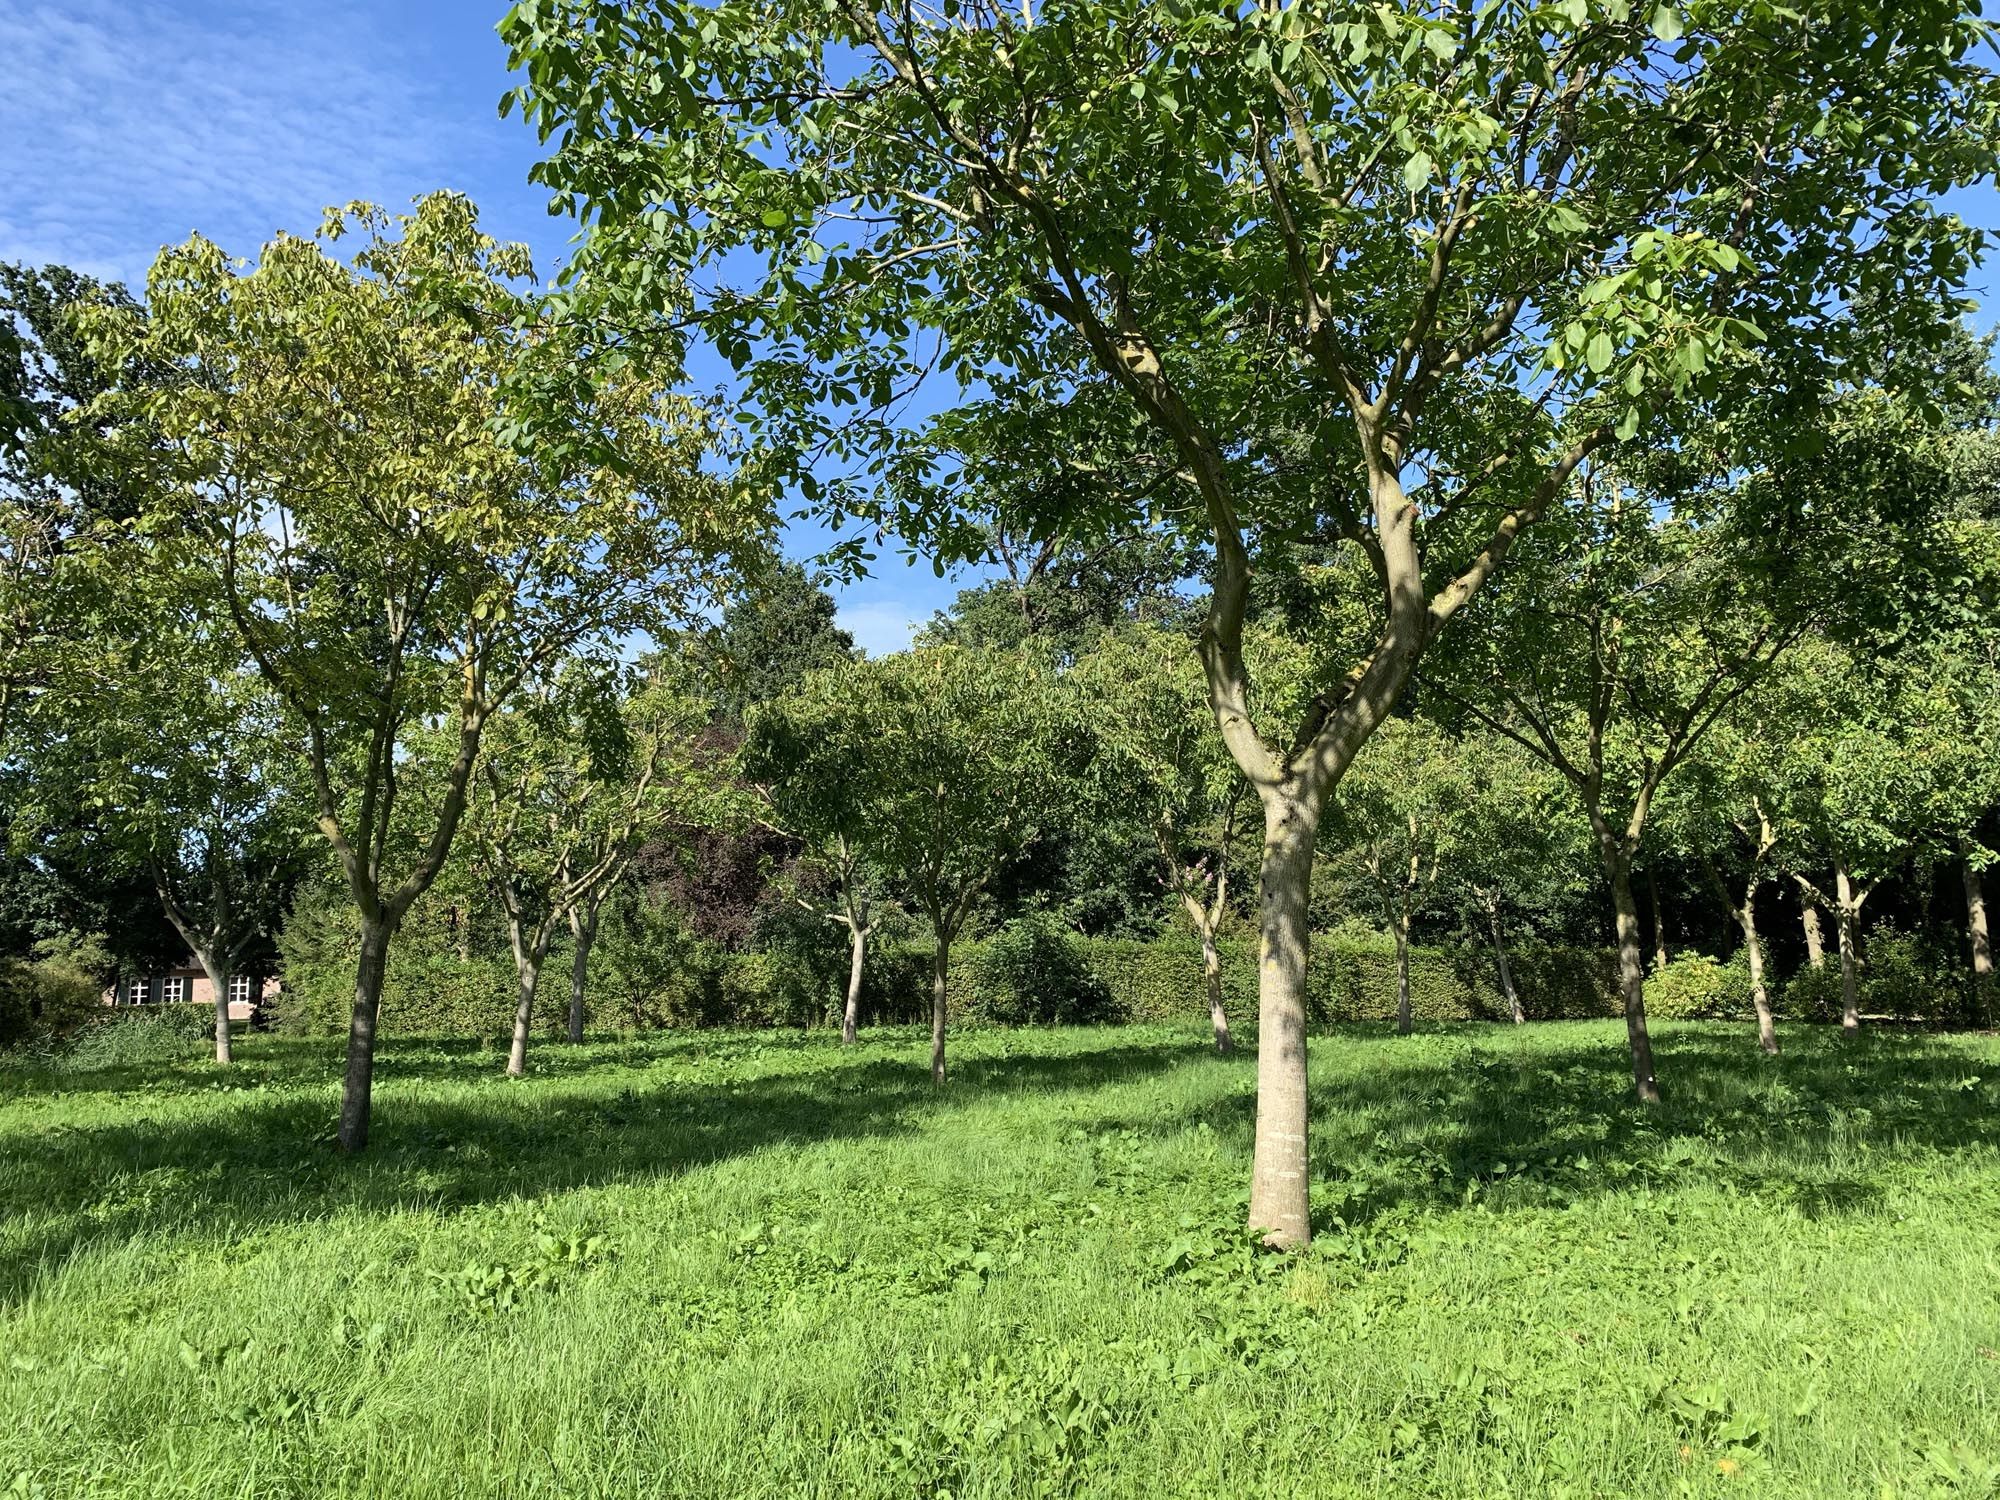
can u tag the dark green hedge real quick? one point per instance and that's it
(995, 980)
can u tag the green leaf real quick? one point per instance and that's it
(1600, 353)
(1417, 172)
(775, 218)
(1667, 23)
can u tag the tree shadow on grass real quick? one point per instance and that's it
(256, 1161)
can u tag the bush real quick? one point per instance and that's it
(43, 1000)
(133, 1035)
(1696, 987)
(1034, 971)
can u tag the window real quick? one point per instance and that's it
(174, 989)
(139, 992)
(241, 989)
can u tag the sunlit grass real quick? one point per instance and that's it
(738, 1265)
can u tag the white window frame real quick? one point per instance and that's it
(139, 991)
(242, 989)
(173, 989)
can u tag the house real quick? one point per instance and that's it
(187, 984)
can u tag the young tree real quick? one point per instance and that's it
(1473, 245)
(353, 440)
(576, 773)
(779, 627)
(1396, 822)
(941, 765)
(1159, 766)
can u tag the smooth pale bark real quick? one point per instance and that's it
(1753, 947)
(1280, 1172)
(940, 971)
(218, 985)
(358, 1083)
(1847, 911)
(1659, 923)
(583, 932)
(1631, 970)
(857, 940)
(1981, 940)
(1403, 974)
(1500, 960)
(530, 950)
(1211, 973)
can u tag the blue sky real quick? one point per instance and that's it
(128, 124)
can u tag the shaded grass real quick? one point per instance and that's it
(734, 1264)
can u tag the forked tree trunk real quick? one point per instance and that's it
(857, 939)
(1631, 969)
(940, 972)
(527, 978)
(1982, 942)
(1403, 975)
(1211, 973)
(358, 1083)
(1500, 959)
(1847, 914)
(1280, 1181)
(583, 931)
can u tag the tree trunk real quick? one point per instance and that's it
(850, 1016)
(527, 976)
(1982, 943)
(1403, 975)
(1506, 970)
(1211, 973)
(1631, 969)
(940, 970)
(1846, 914)
(1280, 1180)
(218, 984)
(1659, 923)
(1815, 943)
(1753, 948)
(357, 1087)
(583, 930)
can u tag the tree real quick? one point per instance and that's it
(1626, 642)
(420, 489)
(1396, 822)
(775, 631)
(575, 775)
(1275, 261)
(1160, 767)
(941, 765)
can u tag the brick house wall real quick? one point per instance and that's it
(188, 985)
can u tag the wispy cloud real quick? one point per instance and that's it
(130, 123)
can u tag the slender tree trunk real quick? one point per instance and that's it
(1753, 948)
(850, 1016)
(218, 984)
(357, 1087)
(940, 973)
(1506, 970)
(1631, 969)
(528, 958)
(1280, 1179)
(1211, 973)
(1982, 942)
(1403, 975)
(583, 931)
(1659, 923)
(1847, 912)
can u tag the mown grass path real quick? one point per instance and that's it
(752, 1265)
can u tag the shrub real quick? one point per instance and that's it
(133, 1035)
(1903, 976)
(1696, 987)
(1034, 971)
(44, 999)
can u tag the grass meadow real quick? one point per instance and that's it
(735, 1265)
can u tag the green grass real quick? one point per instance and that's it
(736, 1265)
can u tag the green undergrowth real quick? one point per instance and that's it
(737, 1264)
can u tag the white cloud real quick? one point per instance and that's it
(131, 123)
(881, 626)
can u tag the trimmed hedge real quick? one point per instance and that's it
(1032, 972)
